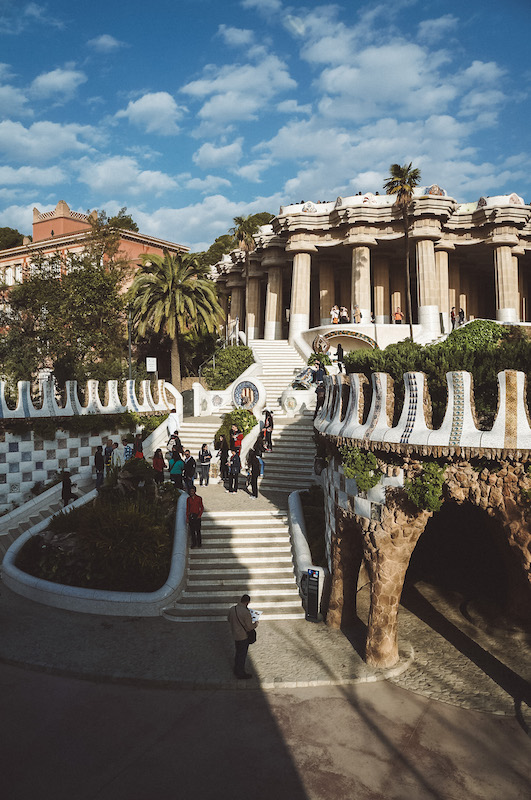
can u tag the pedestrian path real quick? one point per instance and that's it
(289, 466)
(281, 363)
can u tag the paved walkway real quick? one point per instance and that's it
(444, 657)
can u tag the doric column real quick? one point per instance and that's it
(236, 304)
(253, 310)
(273, 310)
(506, 283)
(299, 318)
(327, 296)
(398, 290)
(381, 290)
(360, 286)
(441, 269)
(428, 287)
(454, 283)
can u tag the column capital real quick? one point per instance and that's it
(360, 240)
(503, 240)
(442, 245)
(299, 243)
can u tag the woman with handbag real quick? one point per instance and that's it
(243, 632)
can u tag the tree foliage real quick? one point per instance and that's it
(171, 294)
(230, 363)
(10, 237)
(66, 316)
(481, 347)
(243, 230)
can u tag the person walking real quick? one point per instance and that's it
(241, 624)
(356, 315)
(340, 354)
(194, 512)
(268, 430)
(399, 316)
(66, 488)
(204, 458)
(334, 315)
(116, 458)
(99, 465)
(189, 470)
(172, 422)
(176, 466)
(343, 316)
(223, 453)
(159, 465)
(254, 472)
(138, 448)
(235, 466)
(461, 317)
(453, 317)
(128, 451)
(107, 454)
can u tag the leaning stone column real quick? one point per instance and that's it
(428, 287)
(506, 282)
(360, 286)
(273, 312)
(299, 319)
(381, 290)
(253, 310)
(326, 291)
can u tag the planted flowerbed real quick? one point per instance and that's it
(122, 541)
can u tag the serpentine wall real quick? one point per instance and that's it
(380, 527)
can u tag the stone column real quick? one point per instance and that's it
(398, 291)
(273, 311)
(428, 287)
(299, 318)
(236, 304)
(523, 296)
(327, 296)
(360, 286)
(454, 282)
(381, 290)
(441, 269)
(253, 310)
(506, 283)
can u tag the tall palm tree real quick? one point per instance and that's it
(244, 230)
(402, 181)
(171, 294)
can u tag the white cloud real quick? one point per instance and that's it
(209, 155)
(208, 184)
(155, 112)
(105, 43)
(236, 37)
(122, 174)
(45, 140)
(431, 30)
(13, 103)
(57, 82)
(32, 175)
(239, 92)
(265, 7)
(292, 107)
(253, 170)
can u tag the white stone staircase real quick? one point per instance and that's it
(290, 464)
(242, 551)
(281, 363)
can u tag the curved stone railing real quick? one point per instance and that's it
(342, 414)
(143, 402)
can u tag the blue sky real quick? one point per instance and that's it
(190, 112)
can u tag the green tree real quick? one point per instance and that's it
(171, 294)
(10, 237)
(66, 316)
(123, 221)
(401, 182)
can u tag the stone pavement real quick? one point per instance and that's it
(443, 656)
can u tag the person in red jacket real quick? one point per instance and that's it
(194, 512)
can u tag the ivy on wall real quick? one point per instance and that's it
(425, 489)
(362, 467)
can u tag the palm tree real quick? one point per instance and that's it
(402, 181)
(171, 294)
(244, 230)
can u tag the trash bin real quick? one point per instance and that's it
(310, 594)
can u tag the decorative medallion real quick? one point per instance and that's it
(309, 208)
(436, 190)
(217, 401)
(320, 345)
(245, 395)
(290, 403)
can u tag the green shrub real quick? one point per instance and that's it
(230, 363)
(245, 420)
(118, 544)
(425, 490)
(482, 348)
(361, 466)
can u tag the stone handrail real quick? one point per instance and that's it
(168, 397)
(342, 415)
